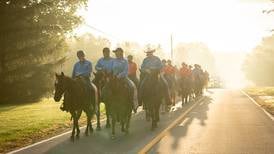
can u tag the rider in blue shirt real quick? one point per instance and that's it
(152, 62)
(83, 67)
(120, 70)
(105, 63)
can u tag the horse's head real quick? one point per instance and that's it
(99, 78)
(59, 86)
(116, 84)
(153, 74)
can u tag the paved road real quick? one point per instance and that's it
(101, 143)
(227, 122)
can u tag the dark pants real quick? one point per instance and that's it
(134, 79)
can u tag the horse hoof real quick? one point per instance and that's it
(123, 130)
(113, 137)
(98, 128)
(86, 133)
(91, 130)
(72, 138)
(108, 126)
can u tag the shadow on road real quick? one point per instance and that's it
(100, 141)
(180, 131)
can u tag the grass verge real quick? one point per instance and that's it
(22, 125)
(264, 96)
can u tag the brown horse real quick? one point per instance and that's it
(152, 98)
(185, 89)
(77, 98)
(120, 106)
(100, 81)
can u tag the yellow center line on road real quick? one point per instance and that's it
(156, 139)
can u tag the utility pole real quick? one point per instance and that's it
(171, 47)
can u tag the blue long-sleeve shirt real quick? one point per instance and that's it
(104, 64)
(82, 69)
(120, 67)
(151, 62)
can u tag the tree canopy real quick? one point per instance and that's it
(32, 36)
(258, 65)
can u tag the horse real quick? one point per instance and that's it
(120, 106)
(152, 98)
(171, 81)
(198, 85)
(100, 81)
(76, 99)
(185, 89)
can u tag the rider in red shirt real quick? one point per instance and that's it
(132, 68)
(185, 71)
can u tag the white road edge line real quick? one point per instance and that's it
(46, 140)
(268, 114)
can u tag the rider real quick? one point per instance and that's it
(152, 62)
(169, 70)
(197, 73)
(120, 70)
(83, 69)
(185, 71)
(132, 68)
(104, 63)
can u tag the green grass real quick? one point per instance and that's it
(260, 95)
(25, 124)
(260, 91)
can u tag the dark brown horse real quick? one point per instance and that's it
(77, 98)
(120, 106)
(185, 89)
(100, 81)
(153, 95)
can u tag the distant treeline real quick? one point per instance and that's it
(259, 64)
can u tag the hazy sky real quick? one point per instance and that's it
(224, 25)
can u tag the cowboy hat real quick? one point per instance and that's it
(118, 49)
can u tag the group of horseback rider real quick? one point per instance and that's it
(117, 86)
(126, 71)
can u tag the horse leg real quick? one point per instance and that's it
(158, 113)
(122, 125)
(127, 122)
(153, 119)
(98, 117)
(108, 116)
(77, 124)
(88, 123)
(74, 126)
(183, 99)
(113, 120)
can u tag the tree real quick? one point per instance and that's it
(258, 65)
(32, 36)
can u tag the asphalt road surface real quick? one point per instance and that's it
(226, 121)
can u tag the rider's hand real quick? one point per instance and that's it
(147, 71)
